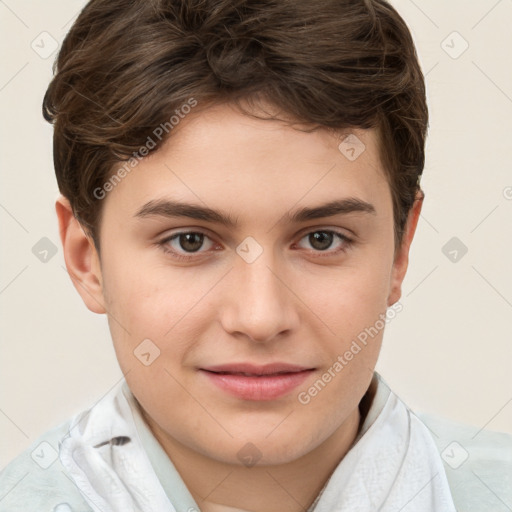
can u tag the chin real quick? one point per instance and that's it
(262, 451)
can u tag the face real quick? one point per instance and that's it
(235, 244)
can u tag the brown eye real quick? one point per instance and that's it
(320, 240)
(187, 244)
(327, 241)
(191, 242)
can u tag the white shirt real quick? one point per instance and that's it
(110, 461)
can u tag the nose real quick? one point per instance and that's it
(259, 303)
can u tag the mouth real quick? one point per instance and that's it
(262, 383)
(251, 370)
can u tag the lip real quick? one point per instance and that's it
(251, 382)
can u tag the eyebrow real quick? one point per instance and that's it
(171, 209)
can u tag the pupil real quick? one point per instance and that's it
(191, 242)
(320, 240)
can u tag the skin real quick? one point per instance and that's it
(294, 303)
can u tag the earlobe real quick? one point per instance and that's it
(81, 257)
(401, 260)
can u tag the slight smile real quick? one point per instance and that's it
(250, 382)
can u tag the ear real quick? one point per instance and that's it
(82, 259)
(401, 260)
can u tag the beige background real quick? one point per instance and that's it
(448, 352)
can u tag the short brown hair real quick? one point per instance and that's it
(126, 65)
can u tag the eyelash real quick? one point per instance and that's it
(347, 244)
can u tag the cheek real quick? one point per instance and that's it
(350, 298)
(151, 296)
(355, 310)
(168, 307)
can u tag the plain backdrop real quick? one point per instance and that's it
(449, 351)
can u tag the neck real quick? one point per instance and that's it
(290, 487)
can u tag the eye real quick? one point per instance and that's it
(322, 240)
(188, 245)
(186, 242)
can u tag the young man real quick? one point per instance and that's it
(240, 190)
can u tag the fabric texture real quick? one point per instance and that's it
(478, 464)
(107, 459)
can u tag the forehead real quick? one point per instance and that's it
(226, 160)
